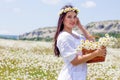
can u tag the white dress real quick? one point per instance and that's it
(67, 45)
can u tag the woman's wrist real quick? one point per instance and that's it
(95, 53)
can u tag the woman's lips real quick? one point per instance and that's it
(72, 23)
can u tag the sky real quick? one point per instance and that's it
(21, 16)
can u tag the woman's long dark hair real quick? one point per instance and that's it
(60, 27)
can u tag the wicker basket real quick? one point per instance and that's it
(94, 60)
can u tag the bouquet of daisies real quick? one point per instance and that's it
(89, 46)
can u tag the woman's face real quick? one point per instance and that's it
(70, 20)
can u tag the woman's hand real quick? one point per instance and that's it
(101, 51)
(84, 31)
(78, 23)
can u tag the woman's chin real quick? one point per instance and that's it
(74, 26)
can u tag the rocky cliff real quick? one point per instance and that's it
(112, 26)
(93, 27)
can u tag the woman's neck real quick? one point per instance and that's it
(68, 30)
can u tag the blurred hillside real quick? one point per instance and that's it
(110, 26)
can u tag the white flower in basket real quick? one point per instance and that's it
(89, 46)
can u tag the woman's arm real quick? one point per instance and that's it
(84, 58)
(84, 31)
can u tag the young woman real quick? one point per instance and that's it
(66, 42)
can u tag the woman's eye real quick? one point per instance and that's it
(75, 16)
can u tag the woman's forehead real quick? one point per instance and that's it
(71, 13)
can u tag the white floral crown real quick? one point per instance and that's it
(67, 10)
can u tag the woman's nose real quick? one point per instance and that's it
(73, 19)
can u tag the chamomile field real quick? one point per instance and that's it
(34, 60)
